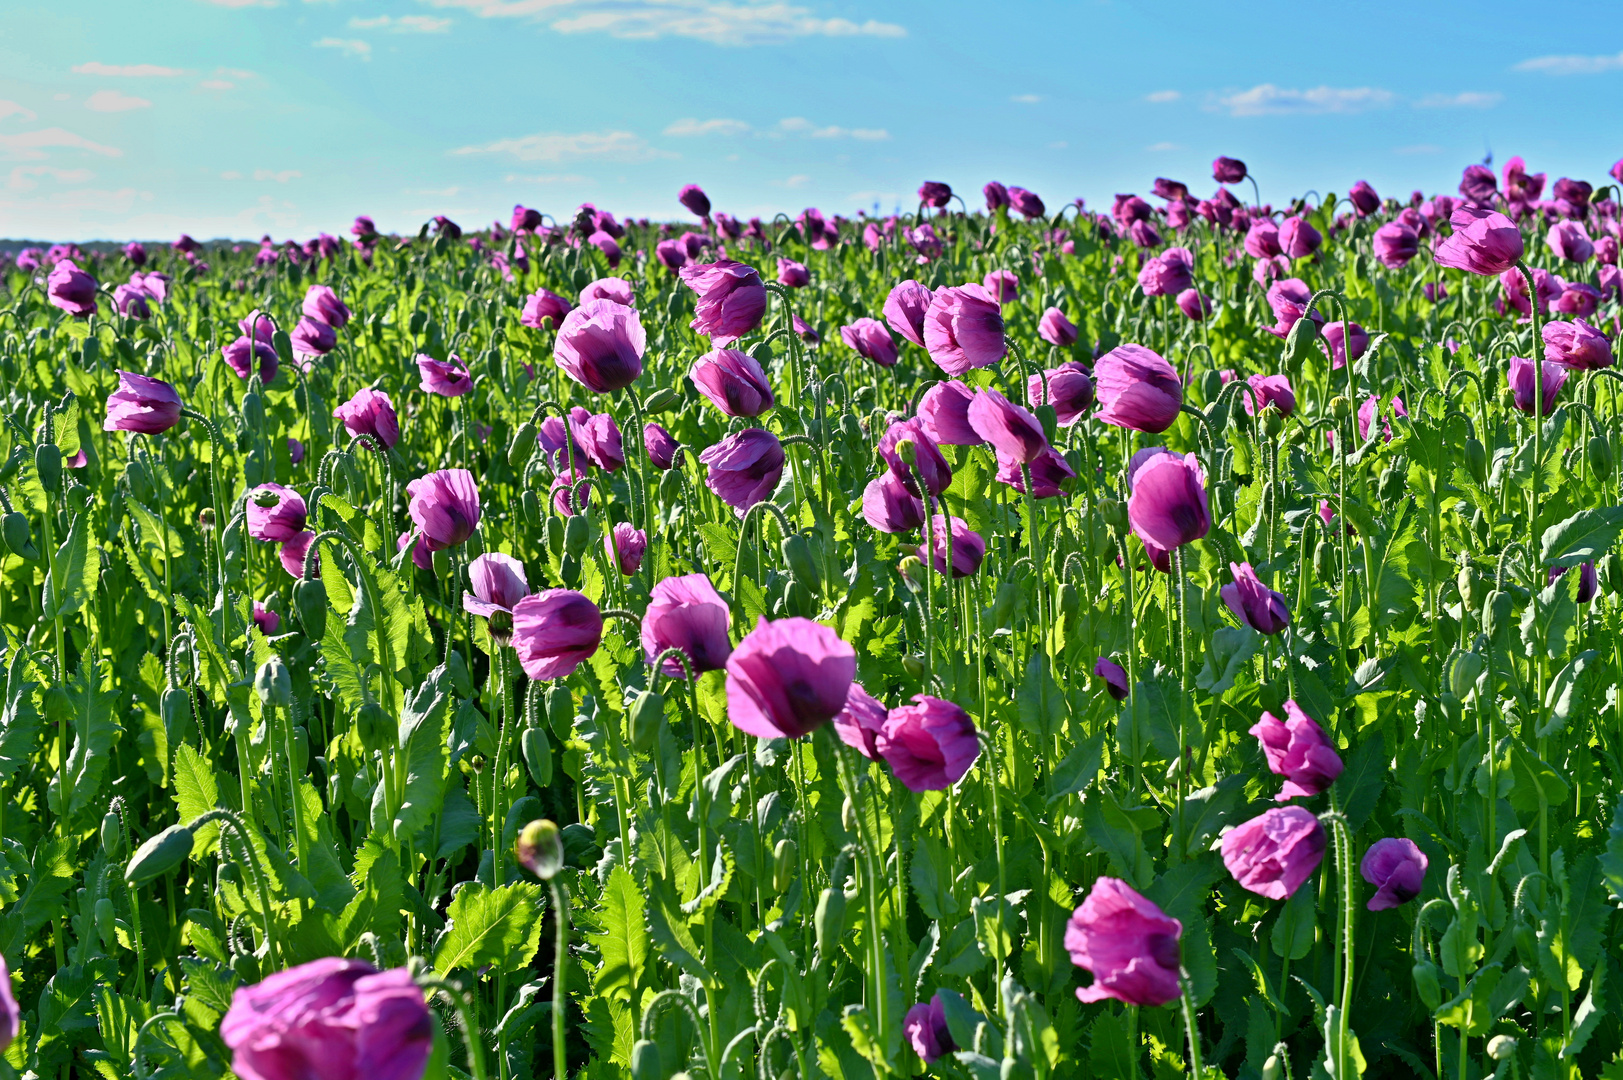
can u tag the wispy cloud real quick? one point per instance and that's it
(405, 24)
(113, 101)
(690, 126)
(799, 125)
(347, 46)
(554, 147)
(1026, 99)
(796, 181)
(32, 145)
(1162, 147)
(1469, 99)
(129, 71)
(720, 22)
(1270, 100)
(243, 3)
(1572, 65)
(1163, 97)
(280, 177)
(547, 178)
(11, 108)
(25, 177)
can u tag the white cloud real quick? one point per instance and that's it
(235, 73)
(231, 174)
(113, 101)
(215, 84)
(1162, 147)
(555, 147)
(1162, 97)
(799, 125)
(547, 178)
(280, 177)
(797, 181)
(11, 108)
(1572, 65)
(31, 145)
(347, 46)
(23, 177)
(129, 70)
(690, 126)
(1026, 99)
(76, 200)
(1270, 100)
(405, 24)
(1060, 145)
(1468, 99)
(720, 22)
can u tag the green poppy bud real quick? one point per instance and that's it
(577, 532)
(540, 850)
(522, 446)
(372, 726)
(660, 400)
(531, 504)
(1463, 674)
(797, 552)
(1599, 451)
(1501, 1047)
(830, 919)
(310, 602)
(555, 537)
(1113, 512)
(1211, 385)
(253, 412)
(1470, 583)
(1427, 983)
(1476, 460)
(569, 570)
(274, 684)
(112, 835)
(647, 713)
(785, 858)
(1299, 342)
(645, 1062)
(18, 537)
(537, 750)
(106, 925)
(1496, 613)
(560, 711)
(159, 855)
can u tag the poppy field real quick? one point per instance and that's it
(993, 640)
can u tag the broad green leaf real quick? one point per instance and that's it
(623, 942)
(196, 793)
(1583, 537)
(498, 927)
(75, 568)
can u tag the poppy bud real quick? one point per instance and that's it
(576, 535)
(310, 601)
(569, 570)
(1324, 560)
(660, 400)
(560, 711)
(537, 755)
(1394, 479)
(1273, 422)
(1114, 514)
(1610, 573)
(253, 411)
(1480, 526)
(1340, 407)
(645, 1062)
(1496, 613)
(274, 684)
(19, 539)
(246, 966)
(647, 712)
(785, 855)
(1427, 983)
(555, 537)
(419, 320)
(106, 925)
(79, 496)
(1299, 342)
(1463, 673)
(912, 665)
(1070, 599)
(1271, 1068)
(531, 505)
(371, 726)
(112, 836)
(797, 552)
(1599, 452)
(522, 446)
(1211, 385)
(159, 855)
(540, 850)
(830, 920)
(1470, 584)
(1501, 1047)
(1048, 417)
(48, 463)
(1476, 459)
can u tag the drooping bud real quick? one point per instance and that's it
(274, 684)
(540, 850)
(159, 855)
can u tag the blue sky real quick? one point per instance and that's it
(240, 117)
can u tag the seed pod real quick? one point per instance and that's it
(1501, 1047)
(1496, 612)
(1299, 342)
(1599, 451)
(830, 920)
(1470, 583)
(1340, 407)
(1463, 674)
(531, 504)
(555, 537)
(569, 570)
(78, 496)
(1070, 599)
(1610, 572)
(1271, 1069)
(371, 726)
(577, 532)
(274, 684)
(647, 713)
(48, 463)
(159, 855)
(106, 927)
(785, 856)
(1426, 982)
(310, 602)
(1476, 460)
(522, 446)
(1273, 421)
(660, 400)
(1324, 560)
(560, 711)
(112, 835)
(18, 537)
(253, 412)
(537, 750)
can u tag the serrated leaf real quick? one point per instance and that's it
(1583, 537)
(75, 568)
(623, 942)
(498, 927)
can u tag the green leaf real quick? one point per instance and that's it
(1079, 768)
(1293, 927)
(623, 943)
(1611, 861)
(1536, 780)
(1110, 1053)
(1230, 649)
(1548, 620)
(497, 927)
(1567, 693)
(196, 793)
(1120, 834)
(19, 719)
(75, 567)
(95, 730)
(41, 900)
(670, 932)
(1360, 784)
(1039, 702)
(1583, 537)
(426, 757)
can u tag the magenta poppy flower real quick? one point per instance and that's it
(733, 381)
(1069, 390)
(155, 286)
(905, 309)
(1013, 431)
(625, 545)
(1394, 244)
(1227, 170)
(944, 412)
(859, 723)
(870, 340)
(1520, 185)
(544, 306)
(370, 412)
(787, 678)
(1289, 299)
(1577, 345)
(571, 492)
(498, 583)
(1144, 234)
(671, 253)
(1113, 675)
(1354, 341)
(71, 289)
(1128, 943)
(1266, 390)
(925, 1028)
(1397, 869)
(1274, 853)
(330, 1018)
(293, 551)
(1569, 240)
(524, 219)
(282, 520)
(744, 468)
(1056, 329)
(1049, 474)
(1297, 238)
(1513, 289)
(447, 378)
(1364, 199)
(805, 331)
(1002, 286)
(996, 195)
(687, 613)
(1571, 197)
(1578, 298)
(926, 241)
(1370, 409)
(889, 506)
(142, 404)
(1262, 240)
(963, 329)
(1026, 203)
(928, 465)
(662, 448)
(320, 302)
(1523, 384)
(600, 345)
(136, 252)
(1253, 603)
(606, 243)
(935, 194)
(267, 622)
(694, 200)
(968, 549)
(1137, 389)
(1297, 749)
(1168, 506)
(615, 289)
(1478, 185)
(598, 438)
(1483, 242)
(793, 274)
(445, 507)
(731, 301)
(295, 450)
(1588, 581)
(244, 353)
(1195, 305)
(929, 744)
(1168, 273)
(131, 301)
(554, 632)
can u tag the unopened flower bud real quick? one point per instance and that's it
(539, 849)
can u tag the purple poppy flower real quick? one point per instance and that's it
(600, 345)
(1026, 203)
(687, 613)
(1483, 242)
(242, 354)
(744, 468)
(142, 404)
(1137, 389)
(1353, 340)
(905, 309)
(805, 331)
(968, 549)
(1262, 240)
(1297, 238)
(888, 506)
(733, 381)
(1227, 170)
(1397, 869)
(293, 551)
(928, 463)
(1297, 749)
(1168, 273)
(793, 274)
(1013, 431)
(963, 329)
(267, 622)
(1128, 943)
(731, 301)
(1002, 286)
(544, 306)
(871, 340)
(1049, 474)
(498, 582)
(322, 303)
(524, 219)
(1113, 675)
(445, 507)
(554, 632)
(662, 448)
(925, 1026)
(1069, 387)
(787, 678)
(929, 744)
(1578, 298)
(1056, 329)
(1395, 244)
(944, 413)
(1588, 580)
(1274, 853)
(136, 252)
(282, 520)
(625, 545)
(1364, 199)
(370, 412)
(1569, 240)
(1254, 603)
(1269, 390)
(1523, 384)
(671, 253)
(996, 195)
(71, 289)
(131, 301)
(312, 337)
(1195, 305)
(1577, 345)
(859, 723)
(571, 492)
(1168, 506)
(935, 194)
(447, 378)
(694, 200)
